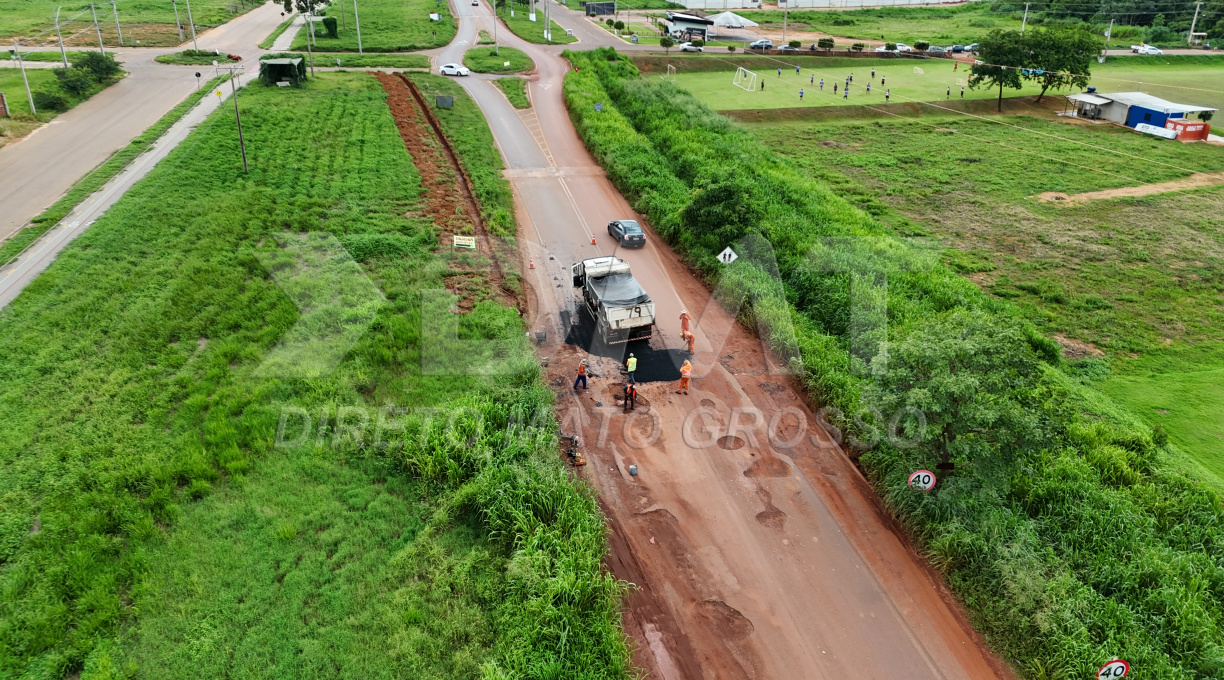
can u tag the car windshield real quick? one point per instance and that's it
(631, 227)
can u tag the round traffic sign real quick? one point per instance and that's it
(922, 480)
(1114, 669)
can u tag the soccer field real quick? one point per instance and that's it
(1201, 84)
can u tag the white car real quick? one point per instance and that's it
(475, 3)
(454, 70)
(690, 47)
(901, 47)
(1146, 49)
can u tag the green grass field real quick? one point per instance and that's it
(194, 58)
(149, 526)
(1130, 277)
(150, 23)
(503, 60)
(939, 25)
(533, 31)
(515, 90)
(1190, 83)
(386, 26)
(14, 88)
(354, 60)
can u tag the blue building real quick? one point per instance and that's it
(1131, 108)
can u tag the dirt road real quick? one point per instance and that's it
(758, 555)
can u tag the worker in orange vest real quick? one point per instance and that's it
(581, 376)
(685, 372)
(684, 321)
(691, 339)
(630, 396)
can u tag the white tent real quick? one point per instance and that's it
(732, 20)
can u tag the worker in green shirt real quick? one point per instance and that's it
(631, 367)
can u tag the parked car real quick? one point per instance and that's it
(475, 3)
(454, 70)
(690, 47)
(761, 45)
(788, 48)
(902, 47)
(1145, 49)
(957, 49)
(627, 233)
(936, 51)
(972, 47)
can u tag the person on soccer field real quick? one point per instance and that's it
(812, 80)
(845, 93)
(873, 74)
(886, 95)
(779, 71)
(881, 80)
(801, 94)
(822, 84)
(949, 93)
(852, 77)
(762, 86)
(834, 88)
(796, 69)
(962, 93)
(868, 88)
(955, 65)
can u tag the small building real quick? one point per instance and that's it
(688, 26)
(290, 71)
(1131, 108)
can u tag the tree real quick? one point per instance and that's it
(666, 43)
(922, 45)
(75, 80)
(969, 375)
(1205, 115)
(101, 65)
(1062, 55)
(794, 43)
(620, 25)
(825, 43)
(1002, 54)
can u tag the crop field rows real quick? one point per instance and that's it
(386, 26)
(155, 519)
(149, 24)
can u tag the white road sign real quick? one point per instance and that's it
(922, 480)
(1114, 669)
(727, 256)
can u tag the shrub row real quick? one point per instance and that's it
(1062, 528)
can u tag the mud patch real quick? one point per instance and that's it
(772, 388)
(768, 466)
(726, 620)
(730, 443)
(706, 403)
(771, 516)
(1077, 349)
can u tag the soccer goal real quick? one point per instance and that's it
(918, 71)
(671, 73)
(745, 79)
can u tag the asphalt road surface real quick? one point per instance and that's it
(37, 170)
(756, 558)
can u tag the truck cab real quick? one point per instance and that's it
(622, 309)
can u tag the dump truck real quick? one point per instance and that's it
(620, 306)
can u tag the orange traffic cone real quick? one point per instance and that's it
(592, 238)
(531, 263)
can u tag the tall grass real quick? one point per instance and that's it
(1070, 540)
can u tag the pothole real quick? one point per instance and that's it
(731, 443)
(706, 403)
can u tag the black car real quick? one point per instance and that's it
(628, 233)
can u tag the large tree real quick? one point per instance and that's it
(1002, 54)
(1062, 55)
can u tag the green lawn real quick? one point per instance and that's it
(515, 90)
(533, 31)
(503, 60)
(150, 23)
(14, 88)
(386, 26)
(149, 526)
(194, 58)
(940, 25)
(1175, 81)
(52, 55)
(354, 60)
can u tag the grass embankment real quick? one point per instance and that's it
(386, 26)
(515, 90)
(532, 31)
(710, 80)
(150, 525)
(352, 60)
(504, 60)
(267, 42)
(1130, 276)
(938, 25)
(194, 58)
(144, 24)
(95, 179)
(1063, 528)
(44, 56)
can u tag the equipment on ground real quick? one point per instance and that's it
(745, 79)
(620, 306)
(671, 73)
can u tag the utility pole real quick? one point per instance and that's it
(357, 19)
(60, 38)
(309, 51)
(1190, 36)
(342, 26)
(310, 20)
(1025, 20)
(94, 11)
(238, 118)
(785, 12)
(17, 51)
(115, 9)
(178, 23)
(548, 19)
(496, 21)
(192, 22)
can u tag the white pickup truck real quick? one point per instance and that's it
(1145, 49)
(620, 306)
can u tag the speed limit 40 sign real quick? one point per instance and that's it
(922, 480)
(1114, 669)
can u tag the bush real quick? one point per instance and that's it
(825, 43)
(890, 47)
(843, 21)
(666, 43)
(331, 26)
(45, 100)
(858, 47)
(730, 48)
(620, 25)
(794, 43)
(101, 65)
(76, 80)
(1206, 115)
(921, 45)
(610, 22)
(698, 43)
